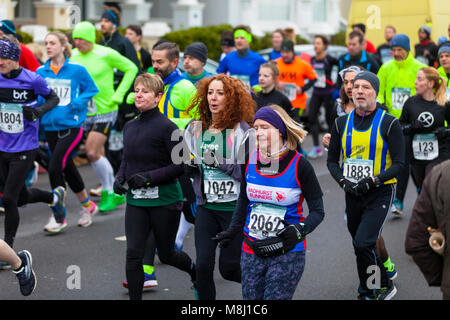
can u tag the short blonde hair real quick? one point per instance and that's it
(150, 81)
(294, 130)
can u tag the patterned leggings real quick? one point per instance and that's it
(274, 278)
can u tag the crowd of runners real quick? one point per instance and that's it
(223, 152)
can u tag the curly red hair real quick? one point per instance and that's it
(239, 103)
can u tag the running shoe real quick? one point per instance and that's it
(54, 227)
(32, 175)
(119, 199)
(59, 209)
(107, 201)
(87, 214)
(149, 281)
(386, 293)
(97, 191)
(26, 275)
(397, 207)
(315, 153)
(391, 272)
(4, 265)
(194, 287)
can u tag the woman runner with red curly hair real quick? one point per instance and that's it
(218, 142)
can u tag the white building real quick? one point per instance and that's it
(307, 17)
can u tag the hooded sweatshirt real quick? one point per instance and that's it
(100, 62)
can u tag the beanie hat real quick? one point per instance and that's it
(401, 40)
(111, 16)
(444, 48)
(9, 50)
(371, 77)
(426, 29)
(7, 26)
(84, 30)
(197, 50)
(287, 45)
(271, 116)
(442, 40)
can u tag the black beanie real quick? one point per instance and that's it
(197, 50)
(371, 77)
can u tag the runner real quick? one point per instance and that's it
(444, 69)
(21, 264)
(276, 179)
(384, 51)
(154, 197)
(426, 50)
(424, 120)
(396, 86)
(293, 73)
(323, 64)
(195, 57)
(19, 125)
(344, 107)
(100, 62)
(63, 125)
(243, 63)
(226, 43)
(277, 38)
(360, 27)
(268, 80)
(370, 141)
(216, 139)
(134, 34)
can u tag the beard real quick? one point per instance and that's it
(364, 106)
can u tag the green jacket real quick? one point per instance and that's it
(397, 83)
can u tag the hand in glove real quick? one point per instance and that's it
(118, 186)
(139, 180)
(225, 237)
(291, 234)
(31, 114)
(348, 186)
(365, 185)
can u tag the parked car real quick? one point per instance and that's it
(306, 52)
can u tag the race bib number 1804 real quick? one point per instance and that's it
(11, 118)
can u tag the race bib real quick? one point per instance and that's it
(399, 97)
(145, 193)
(218, 186)
(115, 140)
(357, 169)
(62, 89)
(265, 220)
(91, 107)
(11, 118)
(386, 55)
(321, 79)
(447, 93)
(243, 77)
(423, 59)
(290, 91)
(425, 146)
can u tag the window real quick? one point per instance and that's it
(274, 10)
(319, 10)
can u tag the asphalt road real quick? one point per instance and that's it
(89, 263)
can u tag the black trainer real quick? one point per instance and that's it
(26, 276)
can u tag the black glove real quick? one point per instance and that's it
(31, 114)
(365, 185)
(139, 180)
(225, 237)
(348, 186)
(118, 186)
(442, 133)
(291, 234)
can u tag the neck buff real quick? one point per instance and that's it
(9, 50)
(244, 34)
(272, 117)
(172, 78)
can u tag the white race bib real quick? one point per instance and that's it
(290, 91)
(145, 193)
(399, 97)
(447, 93)
(218, 186)
(321, 79)
(92, 107)
(357, 169)
(265, 220)
(62, 89)
(115, 140)
(11, 118)
(244, 78)
(425, 146)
